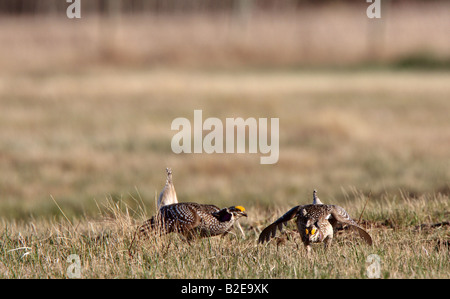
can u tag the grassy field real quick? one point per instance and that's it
(407, 246)
(85, 116)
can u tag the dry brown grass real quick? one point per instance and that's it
(407, 247)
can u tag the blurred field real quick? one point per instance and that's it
(336, 34)
(86, 108)
(81, 137)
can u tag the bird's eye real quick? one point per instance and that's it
(313, 231)
(306, 231)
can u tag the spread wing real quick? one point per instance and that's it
(270, 231)
(339, 214)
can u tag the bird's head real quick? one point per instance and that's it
(237, 211)
(231, 213)
(312, 232)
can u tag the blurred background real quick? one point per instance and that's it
(86, 105)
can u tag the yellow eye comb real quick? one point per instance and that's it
(240, 208)
(313, 231)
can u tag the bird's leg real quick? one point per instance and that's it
(327, 242)
(224, 234)
(308, 250)
(308, 247)
(166, 250)
(130, 252)
(189, 236)
(240, 229)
